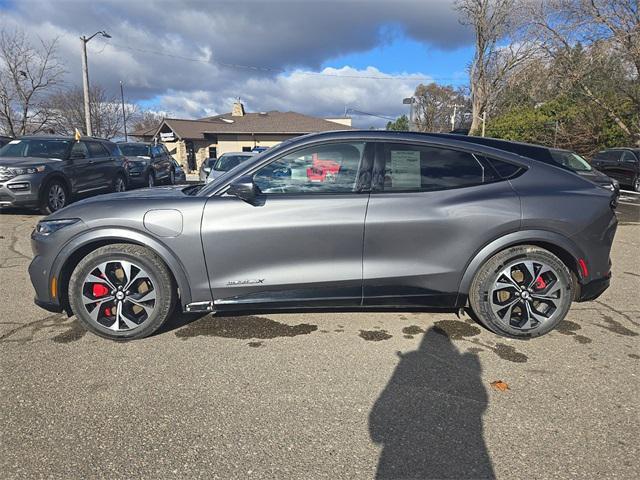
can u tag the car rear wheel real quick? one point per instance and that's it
(54, 197)
(522, 292)
(636, 184)
(172, 177)
(122, 292)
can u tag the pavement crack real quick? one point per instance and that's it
(619, 312)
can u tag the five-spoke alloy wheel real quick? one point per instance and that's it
(122, 291)
(523, 291)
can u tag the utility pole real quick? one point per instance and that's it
(453, 117)
(410, 101)
(124, 117)
(85, 79)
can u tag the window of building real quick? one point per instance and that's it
(422, 168)
(329, 168)
(246, 149)
(213, 152)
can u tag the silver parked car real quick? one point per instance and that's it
(226, 162)
(337, 220)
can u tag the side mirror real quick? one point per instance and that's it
(244, 189)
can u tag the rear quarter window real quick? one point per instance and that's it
(505, 170)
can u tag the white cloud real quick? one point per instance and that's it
(305, 92)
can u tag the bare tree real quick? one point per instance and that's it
(435, 106)
(28, 74)
(494, 22)
(582, 35)
(67, 112)
(146, 121)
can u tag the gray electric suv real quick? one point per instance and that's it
(337, 220)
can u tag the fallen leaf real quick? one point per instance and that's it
(500, 385)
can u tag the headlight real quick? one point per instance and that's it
(47, 227)
(26, 170)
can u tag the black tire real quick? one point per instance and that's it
(155, 270)
(119, 183)
(486, 293)
(54, 196)
(151, 179)
(636, 184)
(172, 177)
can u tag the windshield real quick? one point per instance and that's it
(227, 162)
(134, 150)
(571, 160)
(41, 148)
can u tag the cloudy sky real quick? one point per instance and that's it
(192, 58)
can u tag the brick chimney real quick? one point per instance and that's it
(238, 109)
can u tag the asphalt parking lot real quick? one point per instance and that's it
(350, 395)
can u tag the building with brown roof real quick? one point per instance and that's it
(192, 141)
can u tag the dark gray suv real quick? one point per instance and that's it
(47, 172)
(338, 220)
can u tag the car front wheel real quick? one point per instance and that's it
(54, 197)
(122, 292)
(522, 292)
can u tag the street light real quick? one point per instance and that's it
(85, 77)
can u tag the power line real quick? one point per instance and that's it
(280, 70)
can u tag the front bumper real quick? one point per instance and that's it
(20, 191)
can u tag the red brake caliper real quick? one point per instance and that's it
(540, 283)
(99, 290)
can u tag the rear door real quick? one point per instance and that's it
(83, 177)
(302, 243)
(160, 161)
(101, 165)
(431, 209)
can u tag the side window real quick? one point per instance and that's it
(628, 157)
(422, 168)
(329, 168)
(614, 155)
(504, 169)
(79, 150)
(97, 150)
(157, 151)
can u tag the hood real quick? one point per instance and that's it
(24, 162)
(113, 204)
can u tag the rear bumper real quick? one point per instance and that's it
(593, 289)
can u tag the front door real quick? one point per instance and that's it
(301, 243)
(431, 210)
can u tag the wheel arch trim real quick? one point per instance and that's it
(557, 244)
(107, 236)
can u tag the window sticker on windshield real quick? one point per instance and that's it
(14, 142)
(405, 169)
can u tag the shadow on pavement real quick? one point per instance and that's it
(428, 419)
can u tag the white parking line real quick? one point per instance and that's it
(629, 203)
(630, 191)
